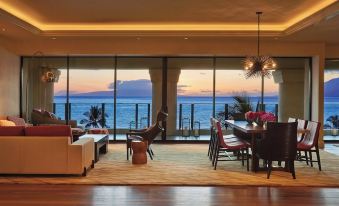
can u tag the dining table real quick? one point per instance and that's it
(252, 130)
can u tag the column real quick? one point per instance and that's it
(172, 80)
(291, 93)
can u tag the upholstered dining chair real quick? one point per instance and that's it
(309, 143)
(224, 145)
(279, 143)
(147, 135)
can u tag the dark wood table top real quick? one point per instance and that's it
(245, 127)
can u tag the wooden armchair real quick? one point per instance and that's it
(146, 135)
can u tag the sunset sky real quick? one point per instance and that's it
(191, 82)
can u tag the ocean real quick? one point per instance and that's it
(126, 107)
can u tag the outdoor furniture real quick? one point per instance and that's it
(101, 142)
(279, 143)
(139, 152)
(98, 131)
(146, 135)
(222, 146)
(309, 144)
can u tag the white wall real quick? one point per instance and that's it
(9, 83)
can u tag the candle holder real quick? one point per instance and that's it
(196, 129)
(186, 127)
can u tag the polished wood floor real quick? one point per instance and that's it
(164, 195)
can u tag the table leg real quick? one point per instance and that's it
(254, 166)
(96, 152)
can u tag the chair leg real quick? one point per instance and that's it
(150, 154)
(127, 152)
(311, 161)
(318, 157)
(269, 169)
(292, 169)
(216, 159)
(306, 157)
(151, 151)
(247, 159)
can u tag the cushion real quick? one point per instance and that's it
(53, 115)
(12, 131)
(17, 120)
(47, 114)
(6, 123)
(57, 130)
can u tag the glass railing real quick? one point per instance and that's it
(129, 115)
(191, 113)
(138, 115)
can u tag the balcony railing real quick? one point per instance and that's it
(129, 115)
(138, 115)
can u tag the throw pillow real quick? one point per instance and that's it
(6, 123)
(17, 120)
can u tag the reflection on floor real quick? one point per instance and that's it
(170, 138)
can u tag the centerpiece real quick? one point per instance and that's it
(259, 118)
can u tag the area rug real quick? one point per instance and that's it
(186, 164)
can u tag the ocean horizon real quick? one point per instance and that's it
(202, 107)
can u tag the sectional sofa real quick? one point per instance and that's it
(44, 150)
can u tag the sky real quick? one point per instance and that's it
(191, 82)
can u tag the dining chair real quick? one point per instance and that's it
(279, 143)
(214, 131)
(309, 143)
(225, 145)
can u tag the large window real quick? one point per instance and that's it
(127, 92)
(331, 99)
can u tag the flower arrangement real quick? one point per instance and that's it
(259, 117)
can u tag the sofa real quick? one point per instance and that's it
(43, 117)
(44, 150)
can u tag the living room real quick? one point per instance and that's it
(59, 70)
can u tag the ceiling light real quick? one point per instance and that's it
(259, 66)
(186, 38)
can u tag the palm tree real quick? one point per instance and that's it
(242, 104)
(95, 118)
(334, 120)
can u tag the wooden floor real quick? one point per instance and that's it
(165, 195)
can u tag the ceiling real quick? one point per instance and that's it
(288, 20)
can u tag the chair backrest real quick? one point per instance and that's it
(280, 141)
(312, 135)
(220, 136)
(291, 119)
(151, 133)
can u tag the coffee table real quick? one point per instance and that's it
(100, 144)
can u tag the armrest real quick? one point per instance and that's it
(134, 133)
(81, 154)
(137, 130)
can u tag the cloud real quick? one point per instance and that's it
(206, 91)
(138, 87)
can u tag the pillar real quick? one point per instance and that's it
(172, 80)
(291, 93)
